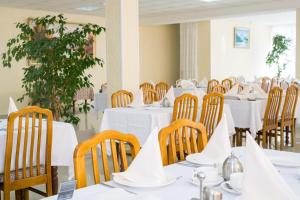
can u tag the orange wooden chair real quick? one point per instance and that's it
(212, 111)
(270, 123)
(121, 98)
(117, 142)
(181, 138)
(287, 122)
(185, 107)
(149, 96)
(23, 167)
(161, 90)
(211, 84)
(227, 83)
(146, 86)
(219, 89)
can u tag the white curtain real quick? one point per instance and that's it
(188, 51)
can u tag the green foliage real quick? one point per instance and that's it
(58, 62)
(277, 56)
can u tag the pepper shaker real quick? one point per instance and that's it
(201, 177)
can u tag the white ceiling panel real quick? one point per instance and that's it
(162, 11)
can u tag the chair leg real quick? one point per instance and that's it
(287, 135)
(293, 135)
(6, 194)
(276, 139)
(281, 138)
(264, 139)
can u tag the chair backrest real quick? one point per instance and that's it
(219, 89)
(98, 144)
(212, 111)
(272, 109)
(121, 98)
(265, 84)
(185, 107)
(181, 138)
(227, 83)
(284, 85)
(290, 103)
(146, 86)
(150, 96)
(27, 145)
(161, 90)
(211, 84)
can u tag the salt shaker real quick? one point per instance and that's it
(201, 177)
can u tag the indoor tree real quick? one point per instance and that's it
(277, 56)
(57, 62)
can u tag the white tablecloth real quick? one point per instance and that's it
(183, 189)
(141, 121)
(64, 141)
(250, 114)
(100, 102)
(179, 91)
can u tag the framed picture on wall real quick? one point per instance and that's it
(241, 37)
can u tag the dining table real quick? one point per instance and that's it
(64, 142)
(183, 187)
(142, 120)
(179, 91)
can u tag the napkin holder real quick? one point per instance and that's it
(231, 165)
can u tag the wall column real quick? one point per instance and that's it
(298, 43)
(122, 35)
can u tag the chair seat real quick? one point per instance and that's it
(20, 171)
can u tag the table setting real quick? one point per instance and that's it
(218, 172)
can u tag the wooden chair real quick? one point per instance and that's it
(227, 83)
(149, 96)
(212, 111)
(181, 138)
(287, 121)
(23, 167)
(265, 84)
(284, 85)
(185, 107)
(121, 98)
(274, 82)
(219, 88)
(241, 88)
(146, 86)
(270, 123)
(211, 84)
(161, 90)
(92, 146)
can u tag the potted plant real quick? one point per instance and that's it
(277, 56)
(57, 62)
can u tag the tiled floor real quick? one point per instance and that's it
(89, 125)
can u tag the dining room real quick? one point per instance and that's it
(150, 100)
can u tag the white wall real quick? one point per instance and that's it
(229, 61)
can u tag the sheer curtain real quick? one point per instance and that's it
(188, 51)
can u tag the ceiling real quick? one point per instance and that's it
(163, 11)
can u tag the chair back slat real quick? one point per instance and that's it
(95, 165)
(121, 98)
(212, 111)
(185, 107)
(150, 96)
(176, 139)
(220, 89)
(146, 86)
(40, 128)
(103, 139)
(211, 84)
(161, 89)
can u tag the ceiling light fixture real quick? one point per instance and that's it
(88, 8)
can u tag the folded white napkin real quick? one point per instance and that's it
(186, 84)
(147, 167)
(12, 106)
(261, 178)
(259, 92)
(138, 99)
(203, 82)
(233, 91)
(218, 147)
(170, 96)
